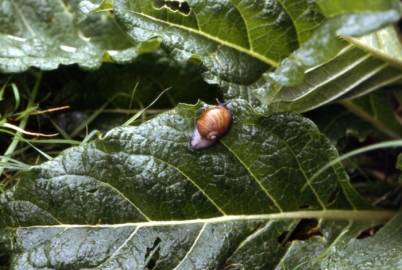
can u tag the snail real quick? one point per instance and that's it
(211, 125)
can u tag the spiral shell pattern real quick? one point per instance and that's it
(211, 125)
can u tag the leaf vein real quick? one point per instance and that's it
(190, 180)
(192, 246)
(257, 180)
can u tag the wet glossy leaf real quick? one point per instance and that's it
(255, 36)
(221, 243)
(141, 198)
(362, 66)
(46, 34)
(237, 204)
(149, 172)
(381, 251)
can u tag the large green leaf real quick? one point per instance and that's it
(48, 33)
(240, 41)
(237, 203)
(236, 242)
(149, 172)
(354, 67)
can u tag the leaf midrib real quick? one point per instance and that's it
(187, 177)
(249, 52)
(335, 214)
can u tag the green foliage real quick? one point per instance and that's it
(379, 109)
(271, 194)
(240, 58)
(399, 165)
(149, 174)
(46, 34)
(340, 125)
(235, 54)
(206, 244)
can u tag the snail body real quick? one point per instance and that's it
(211, 125)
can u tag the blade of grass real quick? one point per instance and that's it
(372, 120)
(62, 132)
(3, 89)
(13, 164)
(127, 111)
(388, 144)
(24, 120)
(17, 96)
(28, 111)
(139, 113)
(40, 151)
(54, 141)
(133, 94)
(94, 115)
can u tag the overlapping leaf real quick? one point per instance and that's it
(363, 66)
(238, 42)
(46, 34)
(223, 243)
(238, 204)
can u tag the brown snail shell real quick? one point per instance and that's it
(211, 125)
